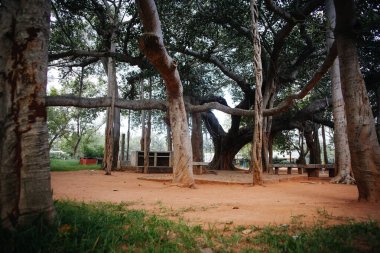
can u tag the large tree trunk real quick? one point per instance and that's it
(24, 152)
(226, 145)
(342, 150)
(153, 47)
(362, 139)
(378, 113)
(257, 165)
(312, 142)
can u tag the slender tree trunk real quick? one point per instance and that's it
(143, 117)
(362, 139)
(267, 125)
(122, 153)
(116, 134)
(317, 145)
(153, 47)
(325, 159)
(25, 194)
(147, 133)
(110, 126)
(270, 149)
(196, 137)
(128, 133)
(342, 150)
(169, 142)
(75, 149)
(258, 121)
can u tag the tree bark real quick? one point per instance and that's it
(142, 140)
(257, 164)
(362, 139)
(153, 47)
(109, 150)
(147, 133)
(342, 150)
(122, 152)
(128, 134)
(25, 194)
(196, 137)
(317, 145)
(312, 142)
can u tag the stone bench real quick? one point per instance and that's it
(199, 167)
(311, 169)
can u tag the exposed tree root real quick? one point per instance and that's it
(346, 179)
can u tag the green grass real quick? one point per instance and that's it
(102, 227)
(70, 165)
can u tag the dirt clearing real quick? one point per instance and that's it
(219, 204)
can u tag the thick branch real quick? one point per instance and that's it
(283, 13)
(294, 16)
(289, 101)
(106, 102)
(140, 60)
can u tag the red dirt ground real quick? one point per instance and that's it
(220, 204)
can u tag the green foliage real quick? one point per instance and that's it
(352, 237)
(101, 227)
(70, 165)
(93, 151)
(104, 227)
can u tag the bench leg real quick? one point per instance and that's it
(332, 172)
(313, 172)
(300, 171)
(289, 170)
(197, 170)
(276, 170)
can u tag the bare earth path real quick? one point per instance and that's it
(219, 204)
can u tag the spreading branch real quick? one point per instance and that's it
(244, 85)
(73, 54)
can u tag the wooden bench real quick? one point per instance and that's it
(311, 169)
(199, 167)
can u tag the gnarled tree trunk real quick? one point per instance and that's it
(153, 47)
(24, 152)
(362, 139)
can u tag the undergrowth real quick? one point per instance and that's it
(103, 227)
(71, 165)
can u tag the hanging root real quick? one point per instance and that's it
(347, 179)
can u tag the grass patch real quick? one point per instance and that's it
(70, 165)
(102, 227)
